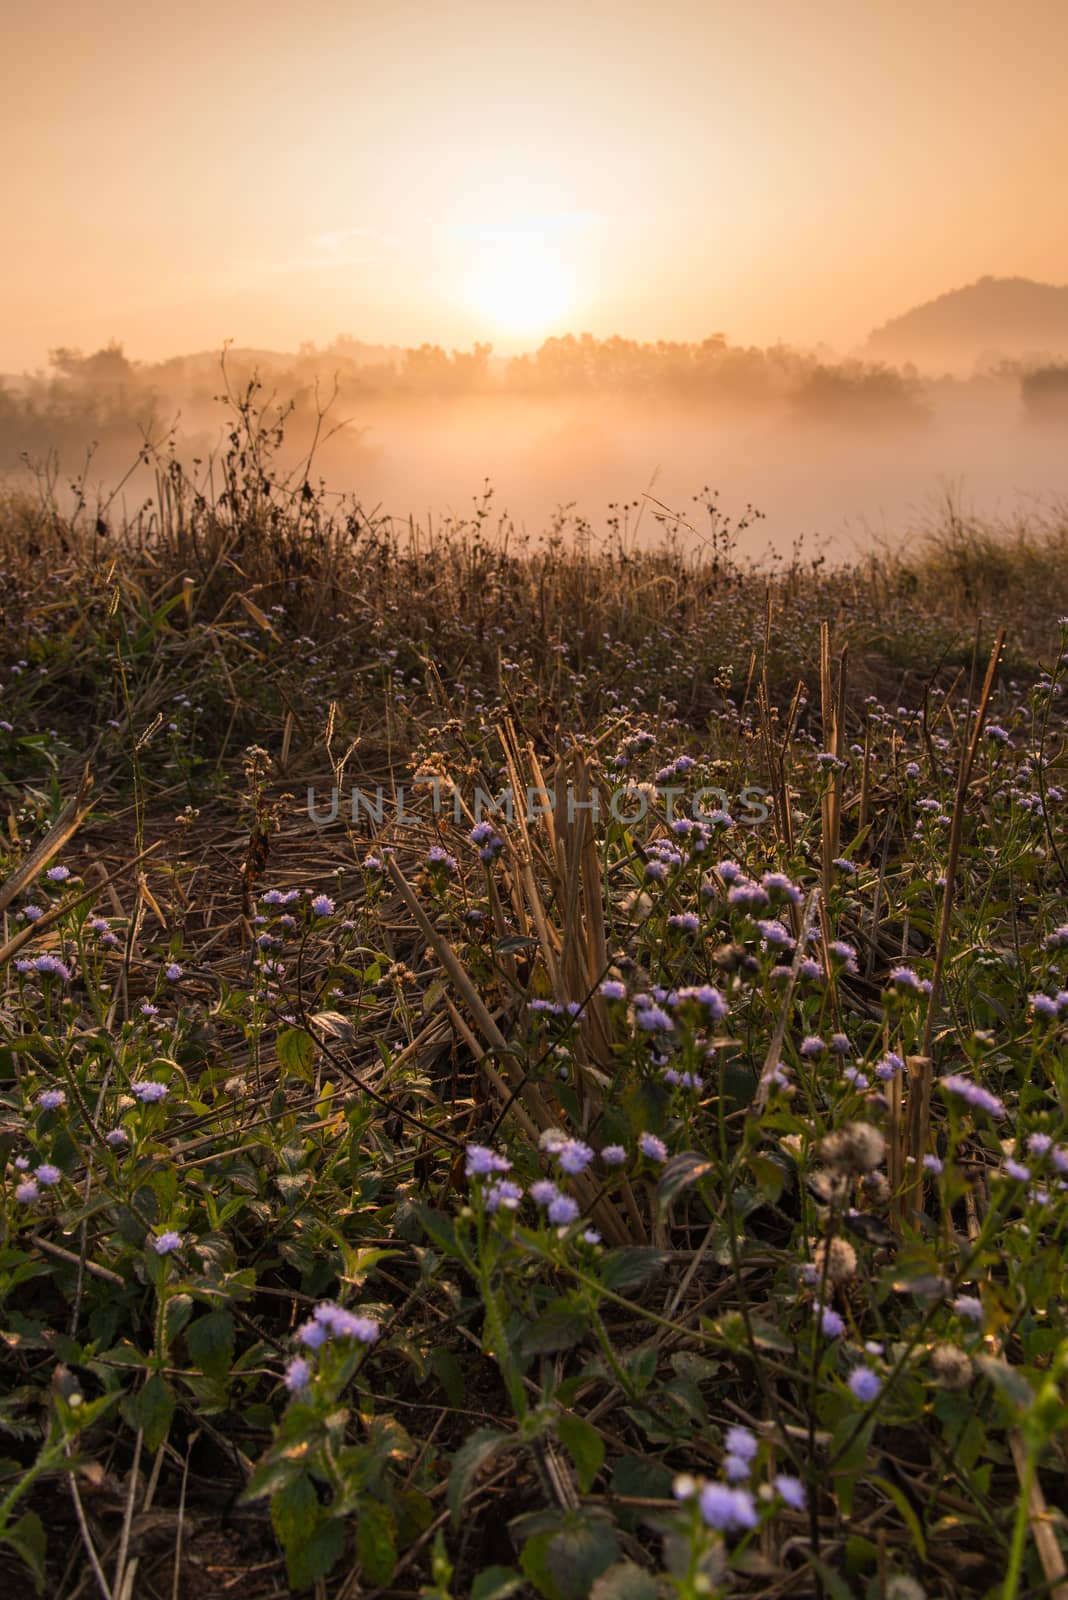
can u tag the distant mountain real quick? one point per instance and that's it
(996, 317)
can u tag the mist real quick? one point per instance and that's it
(590, 437)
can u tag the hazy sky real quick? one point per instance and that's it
(454, 169)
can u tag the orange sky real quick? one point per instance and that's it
(453, 169)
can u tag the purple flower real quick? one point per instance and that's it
(736, 1468)
(172, 972)
(889, 1067)
(1016, 1171)
(544, 1192)
(791, 1490)
(831, 1324)
(438, 856)
(51, 1099)
(1044, 1006)
(652, 1147)
(969, 1307)
(727, 1510)
(488, 840)
(653, 1020)
(323, 906)
(116, 1138)
(904, 978)
(933, 1165)
(26, 1193)
(813, 1045)
(52, 967)
(612, 989)
(709, 999)
(613, 1155)
(32, 913)
(1039, 1144)
(347, 1325)
(741, 1442)
(149, 1092)
(779, 887)
(333, 1320)
(563, 1210)
(167, 1242)
(749, 896)
(298, 1375)
(972, 1094)
(58, 874)
(46, 1174)
(574, 1156)
(864, 1384)
(313, 1334)
(504, 1193)
(684, 922)
(775, 936)
(481, 1161)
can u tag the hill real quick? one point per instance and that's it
(995, 317)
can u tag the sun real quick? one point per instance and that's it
(518, 280)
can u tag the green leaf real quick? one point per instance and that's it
(496, 1583)
(155, 1408)
(835, 1586)
(273, 1474)
(296, 1052)
(179, 1310)
(440, 1231)
(533, 1562)
(294, 1509)
(559, 1327)
(1009, 1382)
(641, 1478)
(376, 1541)
(576, 1556)
(211, 1343)
(632, 1266)
(27, 1538)
(468, 1461)
(770, 1175)
(908, 1515)
(314, 1556)
(449, 1373)
(678, 1174)
(584, 1445)
(624, 1581)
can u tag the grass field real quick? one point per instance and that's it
(659, 1189)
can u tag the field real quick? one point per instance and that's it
(653, 1185)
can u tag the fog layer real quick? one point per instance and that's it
(612, 433)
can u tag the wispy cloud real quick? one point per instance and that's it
(546, 224)
(336, 242)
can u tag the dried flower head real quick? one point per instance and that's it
(951, 1366)
(836, 1258)
(856, 1147)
